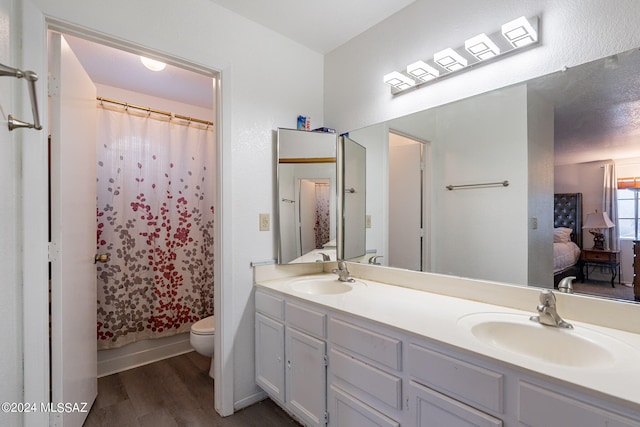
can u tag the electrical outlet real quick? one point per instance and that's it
(264, 222)
(534, 223)
(367, 221)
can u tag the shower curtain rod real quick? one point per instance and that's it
(151, 110)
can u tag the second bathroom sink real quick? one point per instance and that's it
(579, 347)
(323, 285)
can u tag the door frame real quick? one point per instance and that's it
(425, 189)
(35, 229)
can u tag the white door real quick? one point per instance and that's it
(73, 233)
(405, 203)
(307, 215)
(354, 199)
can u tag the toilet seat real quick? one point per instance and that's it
(204, 326)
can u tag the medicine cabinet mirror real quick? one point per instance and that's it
(307, 205)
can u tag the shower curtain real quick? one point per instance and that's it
(155, 192)
(323, 219)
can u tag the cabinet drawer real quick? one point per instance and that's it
(305, 319)
(348, 411)
(367, 343)
(539, 407)
(429, 407)
(473, 384)
(270, 305)
(373, 381)
(599, 256)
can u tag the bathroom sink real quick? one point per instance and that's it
(578, 347)
(323, 285)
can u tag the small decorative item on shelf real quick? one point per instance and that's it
(304, 123)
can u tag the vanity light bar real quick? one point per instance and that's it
(423, 71)
(520, 32)
(481, 47)
(450, 60)
(512, 36)
(398, 80)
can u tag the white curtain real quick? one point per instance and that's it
(610, 205)
(155, 189)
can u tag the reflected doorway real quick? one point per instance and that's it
(408, 202)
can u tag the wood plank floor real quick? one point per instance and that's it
(172, 392)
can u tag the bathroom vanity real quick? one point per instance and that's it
(375, 354)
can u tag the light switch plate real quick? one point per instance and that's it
(264, 222)
(367, 221)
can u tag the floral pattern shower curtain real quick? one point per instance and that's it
(323, 219)
(155, 219)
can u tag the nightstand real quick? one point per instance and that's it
(602, 258)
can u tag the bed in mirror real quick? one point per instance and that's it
(550, 135)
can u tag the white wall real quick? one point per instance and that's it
(481, 232)
(477, 233)
(572, 32)
(11, 300)
(267, 81)
(540, 129)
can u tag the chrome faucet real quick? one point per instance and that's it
(343, 273)
(548, 314)
(325, 257)
(374, 259)
(566, 285)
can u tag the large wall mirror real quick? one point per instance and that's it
(468, 188)
(307, 203)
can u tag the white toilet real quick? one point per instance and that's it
(202, 333)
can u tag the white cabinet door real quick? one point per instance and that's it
(306, 377)
(270, 356)
(428, 408)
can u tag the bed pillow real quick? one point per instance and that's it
(562, 235)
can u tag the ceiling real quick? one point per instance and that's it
(597, 108)
(319, 25)
(113, 67)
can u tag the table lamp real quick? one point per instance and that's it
(596, 222)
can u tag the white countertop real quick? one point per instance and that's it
(436, 317)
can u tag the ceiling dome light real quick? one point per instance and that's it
(152, 64)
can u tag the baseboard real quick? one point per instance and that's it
(250, 400)
(141, 353)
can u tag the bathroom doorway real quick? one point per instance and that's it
(69, 383)
(409, 205)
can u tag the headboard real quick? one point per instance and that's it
(567, 212)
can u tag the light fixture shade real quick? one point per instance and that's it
(152, 64)
(423, 71)
(450, 60)
(481, 47)
(520, 32)
(398, 80)
(598, 220)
